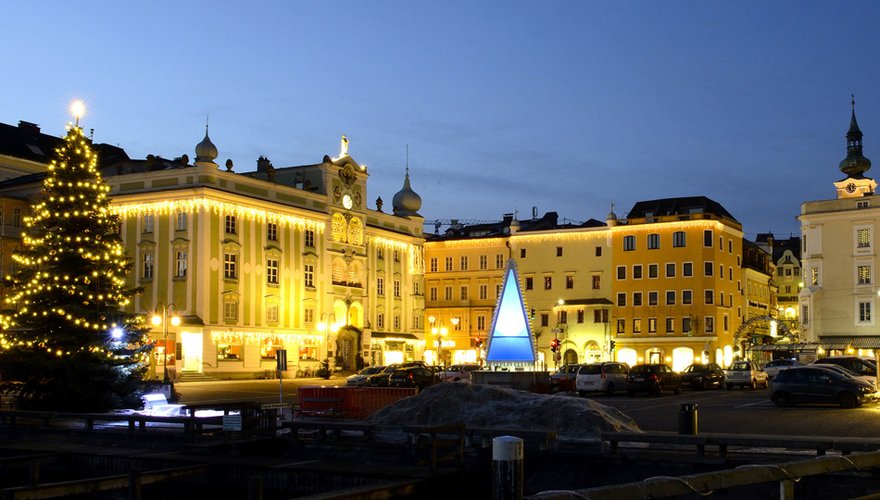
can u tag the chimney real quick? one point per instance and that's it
(29, 127)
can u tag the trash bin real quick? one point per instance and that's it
(688, 418)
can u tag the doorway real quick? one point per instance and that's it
(191, 350)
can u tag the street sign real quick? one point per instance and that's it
(281, 358)
(274, 406)
(232, 422)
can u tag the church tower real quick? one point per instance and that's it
(855, 184)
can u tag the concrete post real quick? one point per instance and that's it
(507, 468)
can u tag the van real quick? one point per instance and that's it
(606, 377)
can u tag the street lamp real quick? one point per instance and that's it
(163, 320)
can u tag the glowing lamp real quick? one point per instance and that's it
(77, 109)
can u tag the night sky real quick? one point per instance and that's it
(564, 106)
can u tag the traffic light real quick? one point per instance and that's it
(554, 345)
(478, 342)
(612, 345)
(533, 314)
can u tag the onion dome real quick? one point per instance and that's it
(611, 219)
(206, 151)
(855, 164)
(406, 202)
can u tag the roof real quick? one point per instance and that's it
(27, 142)
(678, 206)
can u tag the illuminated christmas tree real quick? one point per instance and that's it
(70, 344)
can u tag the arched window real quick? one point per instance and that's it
(340, 269)
(338, 228)
(355, 232)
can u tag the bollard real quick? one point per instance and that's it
(688, 418)
(507, 468)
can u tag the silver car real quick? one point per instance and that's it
(745, 374)
(607, 377)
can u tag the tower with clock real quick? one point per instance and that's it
(856, 184)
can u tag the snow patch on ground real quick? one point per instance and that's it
(478, 405)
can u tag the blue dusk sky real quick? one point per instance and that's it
(566, 106)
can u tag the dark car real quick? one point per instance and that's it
(381, 379)
(816, 384)
(702, 376)
(412, 376)
(653, 379)
(855, 364)
(564, 378)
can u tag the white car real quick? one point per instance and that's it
(608, 377)
(745, 374)
(777, 365)
(458, 373)
(359, 379)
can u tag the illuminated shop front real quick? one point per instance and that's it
(387, 348)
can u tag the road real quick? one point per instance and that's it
(737, 411)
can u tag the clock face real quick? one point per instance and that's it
(850, 188)
(346, 202)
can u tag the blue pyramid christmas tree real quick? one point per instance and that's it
(510, 339)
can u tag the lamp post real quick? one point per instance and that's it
(163, 320)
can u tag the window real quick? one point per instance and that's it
(864, 275)
(380, 286)
(229, 352)
(484, 292)
(449, 263)
(310, 239)
(545, 319)
(569, 282)
(864, 312)
(499, 261)
(272, 271)
(685, 325)
(272, 231)
(522, 253)
(380, 254)
(563, 317)
(597, 281)
(309, 316)
(272, 313)
(230, 310)
(652, 325)
(230, 268)
(580, 316)
(396, 322)
(147, 272)
(687, 269)
(637, 271)
(600, 316)
(670, 297)
(433, 264)
(621, 299)
(863, 204)
(530, 282)
(148, 223)
(678, 239)
(629, 243)
(814, 276)
(653, 298)
(805, 314)
(780, 272)
(708, 268)
(725, 321)
(559, 251)
(181, 264)
(433, 294)
(309, 275)
(670, 325)
(447, 293)
(598, 251)
(621, 326)
(463, 293)
(653, 241)
(395, 254)
(621, 272)
(464, 263)
(686, 297)
(863, 238)
(181, 221)
(653, 270)
(481, 323)
(484, 262)
(548, 282)
(710, 325)
(230, 224)
(707, 238)
(710, 297)
(380, 320)
(637, 325)
(721, 271)
(396, 285)
(637, 298)
(670, 270)
(16, 217)
(417, 288)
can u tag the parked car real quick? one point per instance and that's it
(412, 376)
(857, 364)
(380, 379)
(456, 373)
(359, 379)
(849, 373)
(563, 378)
(653, 379)
(745, 374)
(777, 365)
(702, 376)
(817, 384)
(606, 377)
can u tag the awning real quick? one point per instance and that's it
(784, 347)
(856, 342)
(393, 335)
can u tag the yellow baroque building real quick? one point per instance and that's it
(677, 282)
(249, 264)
